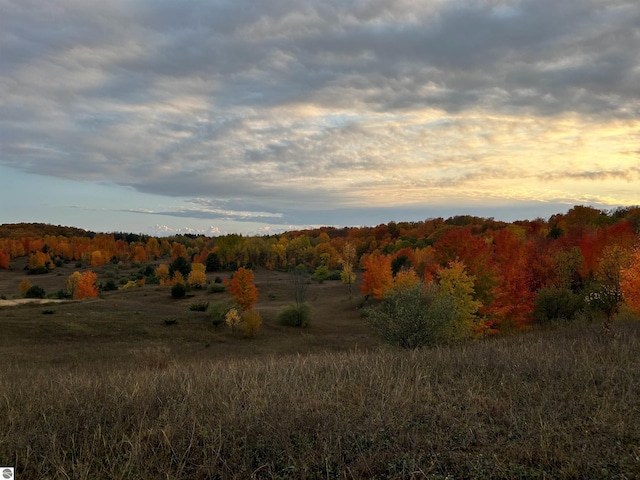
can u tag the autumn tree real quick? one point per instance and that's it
(251, 322)
(242, 288)
(84, 286)
(40, 262)
(456, 283)
(163, 274)
(348, 261)
(5, 260)
(197, 277)
(630, 282)
(377, 276)
(607, 295)
(24, 286)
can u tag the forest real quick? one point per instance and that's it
(501, 276)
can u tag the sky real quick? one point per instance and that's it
(257, 117)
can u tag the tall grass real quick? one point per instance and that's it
(555, 404)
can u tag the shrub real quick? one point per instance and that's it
(178, 290)
(62, 294)
(39, 270)
(251, 323)
(217, 280)
(233, 319)
(414, 317)
(108, 286)
(218, 311)
(216, 288)
(556, 304)
(24, 287)
(35, 292)
(199, 307)
(335, 275)
(295, 315)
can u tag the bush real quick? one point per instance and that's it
(216, 288)
(295, 315)
(335, 275)
(218, 312)
(35, 292)
(109, 285)
(39, 270)
(199, 307)
(556, 304)
(178, 290)
(414, 317)
(321, 273)
(62, 295)
(251, 323)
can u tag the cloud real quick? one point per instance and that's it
(297, 106)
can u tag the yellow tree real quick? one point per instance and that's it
(25, 285)
(162, 272)
(455, 282)
(72, 281)
(197, 277)
(348, 261)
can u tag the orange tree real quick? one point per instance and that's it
(242, 289)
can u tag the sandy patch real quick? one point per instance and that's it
(22, 301)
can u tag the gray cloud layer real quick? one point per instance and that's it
(291, 105)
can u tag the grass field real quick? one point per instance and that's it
(103, 388)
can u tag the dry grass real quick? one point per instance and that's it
(554, 404)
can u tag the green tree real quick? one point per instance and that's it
(414, 317)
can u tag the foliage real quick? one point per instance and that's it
(5, 260)
(24, 286)
(455, 282)
(630, 282)
(179, 290)
(406, 279)
(163, 274)
(35, 291)
(557, 304)
(216, 288)
(82, 285)
(413, 317)
(212, 262)
(251, 322)
(109, 285)
(197, 278)
(321, 273)
(232, 319)
(39, 263)
(180, 264)
(242, 289)
(295, 315)
(199, 306)
(377, 277)
(218, 312)
(348, 261)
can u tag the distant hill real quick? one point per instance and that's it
(39, 230)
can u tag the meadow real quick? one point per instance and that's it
(135, 384)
